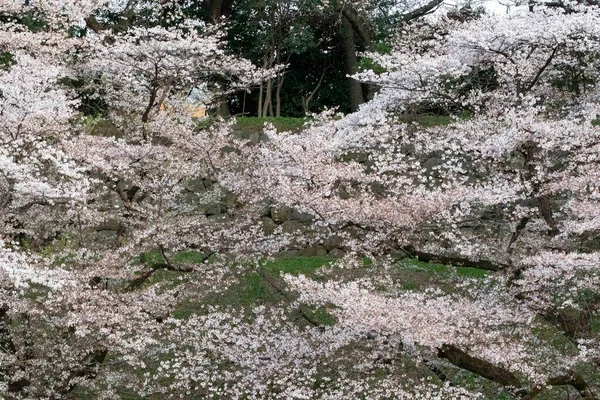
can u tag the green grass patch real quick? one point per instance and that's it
(186, 309)
(319, 315)
(281, 123)
(259, 287)
(409, 285)
(251, 290)
(596, 122)
(443, 270)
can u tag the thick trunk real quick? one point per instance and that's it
(478, 366)
(217, 9)
(487, 265)
(350, 64)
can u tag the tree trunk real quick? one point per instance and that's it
(306, 100)
(260, 100)
(350, 64)
(216, 9)
(223, 107)
(268, 106)
(278, 99)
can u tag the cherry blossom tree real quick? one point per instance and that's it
(61, 183)
(509, 187)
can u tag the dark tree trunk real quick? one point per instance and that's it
(350, 64)
(217, 9)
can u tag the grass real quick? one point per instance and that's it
(257, 124)
(319, 315)
(257, 287)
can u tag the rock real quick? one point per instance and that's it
(399, 254)
(516, 160)
(301, 217)
(308, 252)
(432, 162)
(228, 200)
(359, 157)
(264, 138)
(291, 226)
(255, 137)
(336, 253)
(377, 188)
(196, 185)
(106, 128)
(208, 184)
(280, 214)
(108, 225)
(333, 242)
(407, 149)
(230, 150)
(124, 185)
(210, 208)
(321, 251)
(313, 251)
(354, 232)
(239, 135)
(287, 253)
(268, 225)
(343, 193)
(189, 198)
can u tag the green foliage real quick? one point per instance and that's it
(368, 64)
(91, 101)
(571, 78)
(383, 48)
(6, 60)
